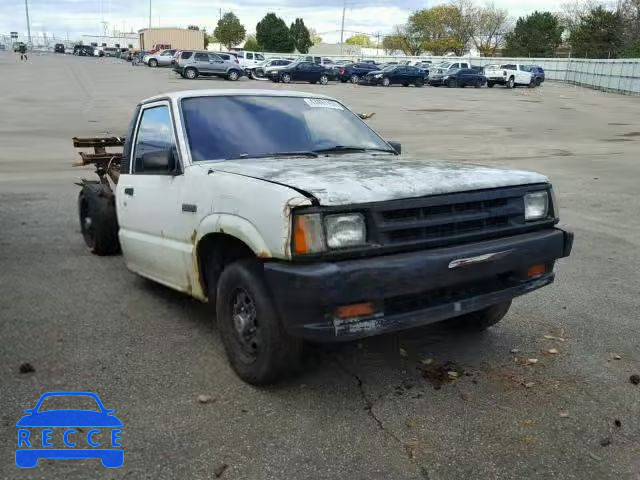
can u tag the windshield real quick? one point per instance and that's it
(388, 68)
(228, 127)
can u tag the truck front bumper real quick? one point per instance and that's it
(411, 289)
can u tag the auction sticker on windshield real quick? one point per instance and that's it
(322, 103)
(53, 430)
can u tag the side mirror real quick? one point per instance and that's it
(397, 146)
(157, 162)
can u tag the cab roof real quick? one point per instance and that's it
(232, 92)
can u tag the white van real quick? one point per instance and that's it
(249, 59)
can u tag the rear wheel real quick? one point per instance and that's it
(538, 82)
(418, 83)
(258, 348)
(451, 83)
(477, 84)
(233, 75)
(511, 83)
(191, 73)
(490, 84)
(153, 63)
(324, 79)
(354, 78)
(286, 78)
(98, 221)
(532, 83)
(481, 320)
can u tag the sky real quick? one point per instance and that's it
(77, 17)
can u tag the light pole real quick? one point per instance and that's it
(149, 13)
(344, 7)
(26, 9)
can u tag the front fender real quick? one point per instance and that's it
(237, 227)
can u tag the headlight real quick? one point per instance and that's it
(536, 205)
(346, 230)
(379, 75)
(314, 234)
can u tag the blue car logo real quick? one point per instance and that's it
(83, 433)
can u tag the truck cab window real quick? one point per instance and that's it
(155, 133)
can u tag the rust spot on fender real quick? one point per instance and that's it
(262, 254)
(193, 237)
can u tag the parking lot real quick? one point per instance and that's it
(363, 410)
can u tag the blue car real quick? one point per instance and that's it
(538, 74)
(27, 456)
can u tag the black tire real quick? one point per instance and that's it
(263, 352)
(532, 83)
(233, 75)
(285, 78)
(538, 82)
(477, 84)
(418, 84)
(482, 319)
(190, 73)
(490, 84)
(451, 83)
(405, 84)
(354, 79)
(511, 83)
(98, 221)
(153, 63)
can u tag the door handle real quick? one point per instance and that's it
(128, 191)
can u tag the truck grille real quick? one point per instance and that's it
(449, 219)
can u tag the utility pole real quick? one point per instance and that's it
(344, 7)
(26, 8)
(377, 43)
(149, 13)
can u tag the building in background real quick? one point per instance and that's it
(181, 38)
(116, 39)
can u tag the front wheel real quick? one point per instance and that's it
(354, 78)
(452, 83)
(324, 79)
(233, 75)
(257, 346)
(477, 84)
(490, 84)
(418, 83)
(511, 83)
(538, 82)
(153, 63)
(191, 73)
(286, 78)
(482, 319)
(386, 82)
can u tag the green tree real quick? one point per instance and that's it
(436, 30)
(392, 44)
(409, 39)
(251, 44)
(360, 40)
(599, 34)
(537, 35)
(207, 38)
(491, 27)
(629, 11)
(229, 31)
(301, 36)
(273, 35)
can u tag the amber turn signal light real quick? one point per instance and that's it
(364, 309)
(536, 270)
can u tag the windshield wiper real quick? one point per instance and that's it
(347, 149)
(302, 153)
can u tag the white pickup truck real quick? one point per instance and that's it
(509, 75)
(296, 221)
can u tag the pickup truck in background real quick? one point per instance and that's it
(509, 75)
(309, 226)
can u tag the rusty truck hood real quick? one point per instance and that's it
(363, 177)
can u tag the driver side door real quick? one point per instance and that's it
(155, 227)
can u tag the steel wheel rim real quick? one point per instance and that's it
(244, 324)
(233, 76)
(86, 224)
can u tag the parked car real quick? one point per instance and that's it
(354, 72)
(111, 52)
(160, 59)
(259, 70)
(462, 77)
(193, 64)
(249, 59)
(296, 221)
(302, 72)
(395, 75)
(98, 51)
(83, 50)
(509, 75)
(58, 48)
(228, 57)
(537, 72)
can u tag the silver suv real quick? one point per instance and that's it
(191, 64)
